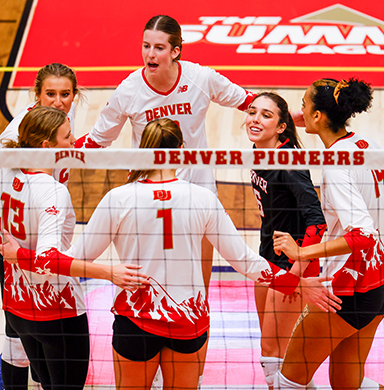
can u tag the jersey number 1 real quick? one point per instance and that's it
(166, 214)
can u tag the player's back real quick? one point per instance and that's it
(30, 201)
(160, 226)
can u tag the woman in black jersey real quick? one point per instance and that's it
(288, 202)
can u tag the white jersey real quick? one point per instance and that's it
(37, 211)
(354, 199)
(11, 132)
(186, 103)
(160, 225)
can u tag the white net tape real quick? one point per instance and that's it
(191, 158)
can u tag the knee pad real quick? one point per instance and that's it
(369, 384)
(271, 366)
(14, 353)
(282, 383)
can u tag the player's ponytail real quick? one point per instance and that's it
(38, 125)
(340, 100)
(161, 133)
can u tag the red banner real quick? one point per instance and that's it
(284, 44)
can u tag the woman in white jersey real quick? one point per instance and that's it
(353, 206)
(157, 221)
(47, 311)
(55, 86)
(168, 87)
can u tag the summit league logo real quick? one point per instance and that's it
(332, 30)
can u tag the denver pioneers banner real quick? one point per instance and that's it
(277, 43)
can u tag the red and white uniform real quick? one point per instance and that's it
(11, 132)
(160, 225)
(186, 102)
(37, 211)
(353, 206)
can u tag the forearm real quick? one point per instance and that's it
(299, 267)
(336, 247)
(80, 268)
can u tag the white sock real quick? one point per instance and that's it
(282, 383)
(270, 367)
(369, 384)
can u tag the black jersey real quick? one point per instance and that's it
(288, 202)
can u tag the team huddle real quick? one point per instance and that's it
(161, 305)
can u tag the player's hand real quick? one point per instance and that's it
(313, 291)
(298, 118)
(128, 277)
(291, 298)
(9, 247)
(283, 242)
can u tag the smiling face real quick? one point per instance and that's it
(57, 92)
(262, 123)
(157, 52)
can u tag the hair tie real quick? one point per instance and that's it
(341, 84)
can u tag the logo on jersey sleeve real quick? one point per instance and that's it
(362, 144)
(17, 185)
(162, 195)
(52, 210)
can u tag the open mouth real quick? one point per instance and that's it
(152, 65)
(255, 130)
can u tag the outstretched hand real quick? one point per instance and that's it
(9, 247)
(283, 242)
(313, 291)
(128, 277)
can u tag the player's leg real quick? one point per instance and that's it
(32, 347)
(269, 365)
(14, 377)
(66, 347)
(180, 370)
(313, 340)
(134, 375)
(347, 361)
(136, 354)
(14, 360)
(179, 361)
(207, 260)
(280, 316)
(260, 300)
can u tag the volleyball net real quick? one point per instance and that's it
(234, 342)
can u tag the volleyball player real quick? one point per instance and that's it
(55, 86)
(47, 311)
(352, 202)
(287, 202)
(158, 221)
(168, 87)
